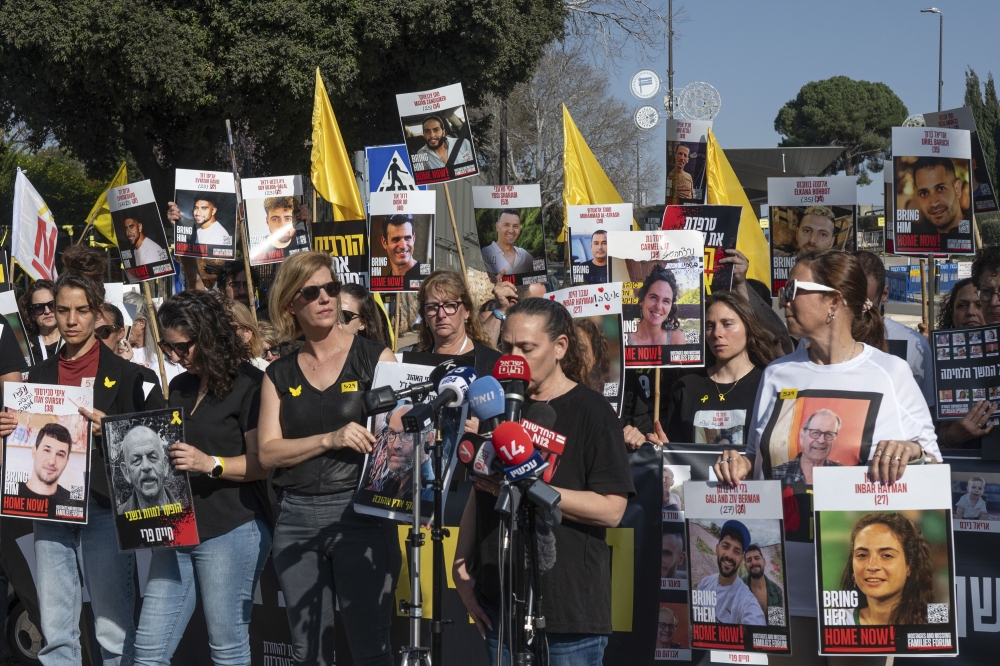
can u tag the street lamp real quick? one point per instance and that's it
(935, 10)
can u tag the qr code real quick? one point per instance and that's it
(538, 264)
(76, 493)
(964, 227)
(937, 613)
(425, 269)
(776, 616)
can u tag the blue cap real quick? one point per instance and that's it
(486, 398)
(739, 528)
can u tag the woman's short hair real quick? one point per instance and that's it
(600, 371)
(74, 280)
(453, 287)
(243, 318)
(663, 274)
(557, 322)
(293, 273)
(24, 303)
(370, 313)
(759, 346)
(113, 315)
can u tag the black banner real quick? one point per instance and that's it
(347, 244)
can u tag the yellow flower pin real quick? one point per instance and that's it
(108, 382)
(296, 391)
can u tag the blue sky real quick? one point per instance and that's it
(758, 54)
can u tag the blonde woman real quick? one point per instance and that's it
(249, 332)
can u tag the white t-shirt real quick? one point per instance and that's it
(970, 511)
(214, 234)
(918, 356)
(876, 398)
(149, 253)
(734, 604)
(495, 262)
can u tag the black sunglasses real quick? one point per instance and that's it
(105, 332)
(311, 293)
(273, 351)
(38, 309)
(349, 316)
(180, 348)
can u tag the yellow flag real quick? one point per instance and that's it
(100, 213)
(724, 188)
(332, 174)
(584, 181)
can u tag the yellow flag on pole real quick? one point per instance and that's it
(100, 213)
(332, 174)
(584, 181)
(724, 188)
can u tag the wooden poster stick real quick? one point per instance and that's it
(241, 221)
(454, 230)
(656, 397)
(923, 291)
(156, 337)
(396, 299)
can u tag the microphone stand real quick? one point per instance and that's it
(438, 534)
(414, 654)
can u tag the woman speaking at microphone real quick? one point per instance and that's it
(592, 476)
(312, 433)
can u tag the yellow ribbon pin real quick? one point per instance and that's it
(296, 391)
(108, 382)
(176, 420)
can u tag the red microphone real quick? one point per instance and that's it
(513, 374)
(513, 446)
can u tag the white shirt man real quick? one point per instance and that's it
(149, 253)
(495, 261)
(734, 603)
(213, 234)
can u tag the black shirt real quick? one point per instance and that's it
(696, 414)
(595, 274)
(636, 403)
(307, 411)
(218, 427)
(61, 497)
(577, 590)
(11, 356)
(35, 348)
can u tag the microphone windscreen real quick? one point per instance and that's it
(512, 444)
(486, 398)
(512, 367)
(438, 373)
(541, 413)
(459, 379)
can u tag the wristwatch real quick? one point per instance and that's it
(499, 315)
(218, 469)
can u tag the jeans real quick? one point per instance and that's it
(62, 553)
(564, 649)
(223, 573)
(328, 556)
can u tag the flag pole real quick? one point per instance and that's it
(156, 337)
(241, 223)
(90, 223)
(454, 230)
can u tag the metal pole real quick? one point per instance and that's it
(940, 57)
(638, 201)
(454, 230)
(931, 291)
(670, 58)
(503, 143)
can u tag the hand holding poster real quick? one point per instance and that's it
(139, 230)
(46, 460)
(274, 231)
(687, 152)
(588, 233)
(403, 255)
(720, 226)
(662, 306)
(511, 236)
(885, 563)
(437, 134)
(932, 193)
(207, 201)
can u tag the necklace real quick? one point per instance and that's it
(460, 349)
(557, 389)
(332, 355)
(722, 396)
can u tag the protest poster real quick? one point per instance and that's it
(207, 201)
(347, 244)
(403, 255)
(389, 169)
(152, 500)
(386, 486)
(511, 234)
(437, 134)
(965, 369)
(932, 197)
(12, 317)
(813, 213)
(274, 231)
(737, 565)
(46, 460)
(142, 241)
(975, 501)
(588, 234)
(597, 316)
(720, 226)
(663, 309)
(885, 563)
(984, 196)
(687, 155)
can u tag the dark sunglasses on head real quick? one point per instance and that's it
(179, 348)
(349, 316)
(38, 309)
(105, 332)
(311, 293)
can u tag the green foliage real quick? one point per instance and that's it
(858, 115)
(59, 178)
(986, 110)
(989, 228)
(690, 297)
(868, 223)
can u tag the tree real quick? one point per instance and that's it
(59, 178)
(535, 138)
(157, 80)
(987, 115)
(858, 115)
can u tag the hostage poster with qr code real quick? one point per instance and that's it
(273, 228)
(402, 239)
(141, 239)
(511, 233)
(207, 202)
(966, 365)
(984, 196)
(885, 563)
(46, 460)
(736, 553)
(437, 134)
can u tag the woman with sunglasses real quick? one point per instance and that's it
(313, 434)
(362, 315)
(109, 327)
(38, 312)
(270, 342)
(220, 395)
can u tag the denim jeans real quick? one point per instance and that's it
(564, 649)
(223, 573)
(327, 555)
(63, 552)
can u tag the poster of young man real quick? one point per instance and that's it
(12, 317)
(347, 244)
(207, 201)
(437, 134)
(511, 238)
(46, 460)
(274, 230)
(812, 213)
(720, 225)
(386, 486)
(932, 195)
(153, 505)
(885, 563)
(597, 316)
(737, 567)
(984, 196)
(402, 239)
(663, 309)
(139, 230)
(588, 233)
(687, 153)
(965, 363)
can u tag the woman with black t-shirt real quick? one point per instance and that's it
(312, 433)
(593, 477)
(712, 405)
(38, 312)
(220, 395)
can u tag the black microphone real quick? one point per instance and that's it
(384, 398)
(541, 413)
